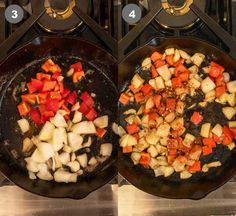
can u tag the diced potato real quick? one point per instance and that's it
(170, 117)
(142, 145)
(172, 70)
(207, 85)
(163, 130)
(177, 123)
(229, 112)
(231, 86)
(176, 56)
(179, 163)
(184, 55)
(168, 83)
(197, 59)
(164, 72)
(222, 99)
(231, 99)
(194, 83)
(127, 140)
(152, 82)
(152, 138)
(210, 96)
(135, 156)
(217, 130)
(152, 151)
(206, 69)
(231, 146)
(202, 104)
(153, 163)
(162, 161)
(226, 77)
(214, 164)
(163, 141)
(188, 140)
(128, 112)
(179, 107)
(137, 81)
(146, 64)
(167, 170)
(161, 149)
(205, 130)
(150, 103)
(232, 124)
(185, 174)
(193, 69)
(158, 172)
(170, 51)
(160, 83)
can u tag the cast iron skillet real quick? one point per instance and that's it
(199, 185)
(23, 64)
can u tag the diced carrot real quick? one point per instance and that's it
(29, 98)
(154, 72)
(214, 64)
(171, 159)
(180, 69)
(153, 116)
(146, 89)
(233, 130)
(48, 85)
(50, 66)
(156, 56)
(209, 142)
(127, 149)
(170, 104)
(196, 118)
(136, 136)
(139, 97)
(55, 95)
(157, 100)
(172, 144)
(77, 76)
(145, 159)
(159, 63)
(132, 128)
(176, 82)
(42, 76)
(133, 89)
(184, 76)
(196, 167)
(206, 150)
(220, 90)
(42, 108)
(220, 80)
(101, 132)
(124, 98)
(172, 152)
(215, 138)
(161, 109)
(41, 97)
(23, 108)
(170, 59)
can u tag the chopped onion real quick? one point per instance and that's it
(75, 141)
(84, 127)
(27, 144)
(59, 120)
(106, 149)
(47, 131)
(74, 166)
(64, 158)
(101, 122)
(63, 176)
(24, 125)
(77, 117)
(93, 161)
(46, 150)
(83, 160)
(59, 137)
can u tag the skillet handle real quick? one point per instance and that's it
(222, 34)
(7, 45)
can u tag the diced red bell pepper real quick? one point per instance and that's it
(220, 90)
(184, 76)
(176, 82)
(156, 56)
(145, 159)
(55, 76)
(233, 130)
(154, 72)
(159, 63)
(52, 105)
(101, 132)
(77, 76)
(48, 114)
(146, 89)
(48, 85)
(170, 59)
(31, 88)
(29, 98)
(37, 84)
(220, 80)
(71, 99)
(170, 104)
(180, 69)
(228, 136)
(64, 107)
(214, 64)
(61, 87)
(50, 66)
(124, 98)
(206, 150)
(84, 108)
(55, 95)
(132, 128)
(196, 167)
(35, 116)
(23, 108)
(196, 118)
(42, 76)
(86, 98)
(210, 142)
(153, 116)
(139, 97)
(77, 66)
(172, 152)
(42, 108)
(127, 149)
(65, 93)
(215, 138)
(91, 115)
(214, 72)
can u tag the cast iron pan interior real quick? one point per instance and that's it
(21, 66)
(199, 185)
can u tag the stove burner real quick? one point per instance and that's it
(59, 16)
(177, 14)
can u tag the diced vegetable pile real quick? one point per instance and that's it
(68, 123)
(155, 132)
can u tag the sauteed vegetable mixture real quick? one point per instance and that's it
(155, 107)
(67, 123)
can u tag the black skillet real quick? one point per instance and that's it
(19, 67)
(199, 185)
